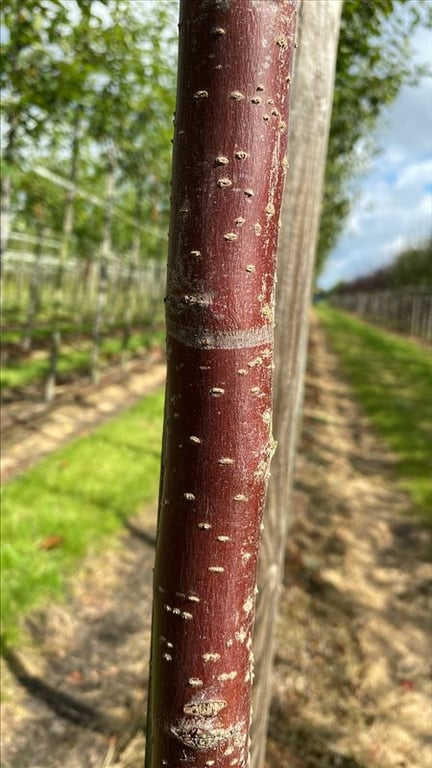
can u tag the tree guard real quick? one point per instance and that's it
(310, 111)
(235, 60)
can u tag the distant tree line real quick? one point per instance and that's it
(87, 102)
(413, 267)
(398, 297)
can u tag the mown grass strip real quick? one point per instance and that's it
(81, 494)
(392, 377)
(34, 369)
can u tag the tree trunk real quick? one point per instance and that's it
(68, 216)
(132, 267)
(9, 155)
(310, 112)
(34, 290)
(102, 277)
(6, 189)
(127, 309)
(63, 256)
(8, 162)
(229, 164)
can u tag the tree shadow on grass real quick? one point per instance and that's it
(62, 704)
(87, 693)
(302, 744)
(140, 533)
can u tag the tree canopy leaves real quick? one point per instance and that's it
(98, 73)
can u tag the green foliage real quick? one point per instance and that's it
(26, 80)
(413, 267)
(38, 201)
(82, 493)
(373, 62)
(392, 380)
(104, 78)
(75, 359)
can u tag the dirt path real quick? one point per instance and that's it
(353, 653)
(32, 430)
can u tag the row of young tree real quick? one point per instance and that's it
(218, 439)
(88, 93)
(228, 165)
(130, 291)
(412, 267)
(407, 310)
(398, 297)
(88, 96)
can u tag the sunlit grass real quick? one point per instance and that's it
(82, 493)
(34, 369)
(392, 378)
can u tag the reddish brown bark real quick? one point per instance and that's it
(229, 164)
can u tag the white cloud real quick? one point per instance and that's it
(424, 208)
(391, 249)
(394, 206)
(415, 175)
(353, 224)
(383, 223)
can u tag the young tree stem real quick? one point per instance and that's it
(229, 163)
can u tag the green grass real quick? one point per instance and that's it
(34, 369)
(39, 334)
(392, 378)
(83, 493)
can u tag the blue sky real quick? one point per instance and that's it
(394, 207)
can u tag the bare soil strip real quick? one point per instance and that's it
(351, 682)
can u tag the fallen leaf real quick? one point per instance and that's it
(51, 542)
(75, 676)
(407, 684)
